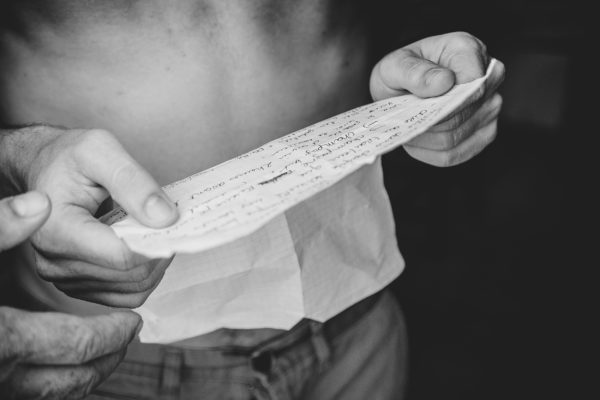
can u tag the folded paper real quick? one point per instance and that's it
(299, 227)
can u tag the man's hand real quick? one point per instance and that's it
(78, 170)
(59, 356)
(52, 355)
(20, 216)
(431, 67)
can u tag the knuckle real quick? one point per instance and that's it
(457, 135)
(127, 302)
(138, 285)
(411, 68)
(478, 95)
(45, 269)
(123, 259)
(456, 121)
(445, 159)
(85, 342)
(123, 300)
(446, 141)
(464, 115)
(97, 135)
(87, 383)
(125, 174)
(464, 41)
(145, 285)
(89, 142)
(80, 382)
(137, 299)
(141, 273)
(41, 240)
(398, 62)
(91, 139)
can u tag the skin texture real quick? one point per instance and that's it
(113, 99)
(80, 255)
(53, 355)
(59, 356)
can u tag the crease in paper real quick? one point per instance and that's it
(301, 227)
(265, 291)
(237, 197)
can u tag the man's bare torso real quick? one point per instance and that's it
(183, 84)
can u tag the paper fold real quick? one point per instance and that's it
(300, 227)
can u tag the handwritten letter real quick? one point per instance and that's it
(237, 197)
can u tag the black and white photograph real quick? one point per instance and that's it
(296, 200)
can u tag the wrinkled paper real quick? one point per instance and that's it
(299, 227)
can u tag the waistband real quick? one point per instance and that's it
(304, 331)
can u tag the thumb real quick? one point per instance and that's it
(21, 216)
(404, 70)
(128, 183)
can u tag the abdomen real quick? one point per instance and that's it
(182, 95)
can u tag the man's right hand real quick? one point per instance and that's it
(60, 356)
(78, 170)
(52, 355)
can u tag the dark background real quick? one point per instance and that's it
(495, 285)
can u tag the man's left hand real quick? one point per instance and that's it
(430, 67)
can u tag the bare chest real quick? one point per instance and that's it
(183, 84)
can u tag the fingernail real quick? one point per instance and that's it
(29, 204)
(158, 209)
